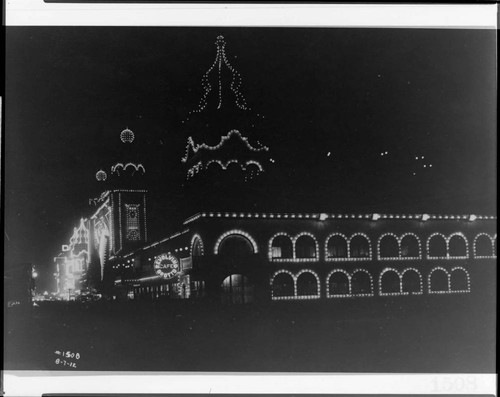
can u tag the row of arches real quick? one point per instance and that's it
(304, 246)
(341, 283)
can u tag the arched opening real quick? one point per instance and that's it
(483, 246)
(359, 247)
(389, 247)
(457, 246)
(338, 284)
(459, 280)
(307, 285)
(305, 247)
(197, 247)
(237, 289)
(389, 282)
(437, 246)
(282, 247)
(438, 280)
(337, 247)
(412, 281)
(283, 285)
(235, 245)
(410, 247)
(361, 283)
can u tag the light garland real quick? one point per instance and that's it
(392, 217)
(295, 277)
(349, 283)
(293, 240)
(203, 146)
(492, 242)
(349, 254)
(399, 240)
(101, 176)
(120, 166)
(236, 232)
(196, 239)
(447, 244)
(449, 290)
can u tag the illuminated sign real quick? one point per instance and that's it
(166, 266)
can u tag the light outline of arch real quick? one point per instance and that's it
(334, 259)
(386, 270)
(492, 241)
(329, 275)
(429, 290)
(316, 246)
(447, 242)
(372, 286)
(115, 167)
(202, 246)
(370, 253)
(237, 232)
(399, 240)
(458, 291)
(270, 247)
(388, 257)
(420, 278)
(318, 284)
(460, 234)
(349, 258)
(294, 277)
(294, 254)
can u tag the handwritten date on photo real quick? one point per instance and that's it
(67, 358)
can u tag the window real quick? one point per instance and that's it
(338, 284)
(389, 247)
(283, 285)
(305, 247)
(359, 247)
(459, 280)
(389, 282)
(337, 247)
(361, 283)
(412, 281)
(457, 246)
(437, 246)
(483, 246)
(410, 247)
(281, 247)
(438, 280)
(307, 284)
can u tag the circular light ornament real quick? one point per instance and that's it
(127, 136)
(101, 176)
(166, 266)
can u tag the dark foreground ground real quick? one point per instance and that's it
(440, 333)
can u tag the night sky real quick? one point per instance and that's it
(354, 119)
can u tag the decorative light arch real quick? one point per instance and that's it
(236, 232)
(295, 277)
(429, 289)
(384, 271)
(447, 242)
(369, 247)
(371, 282)
(327, 240)
(492, 240)
(466, 275)
(294, 254)
(419, 279)
(195, 237)
(399, 240)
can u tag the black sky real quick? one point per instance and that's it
(352, 93)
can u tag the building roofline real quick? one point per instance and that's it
(329, 216)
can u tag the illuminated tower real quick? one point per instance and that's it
(224, 156)
(118, 225)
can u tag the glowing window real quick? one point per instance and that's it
(305, 247)
(282, 247)
(359, 247)
(337, 247)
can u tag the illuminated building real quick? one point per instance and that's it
(226, 252)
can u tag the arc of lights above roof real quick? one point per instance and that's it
(120, 166)
(203, 146)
